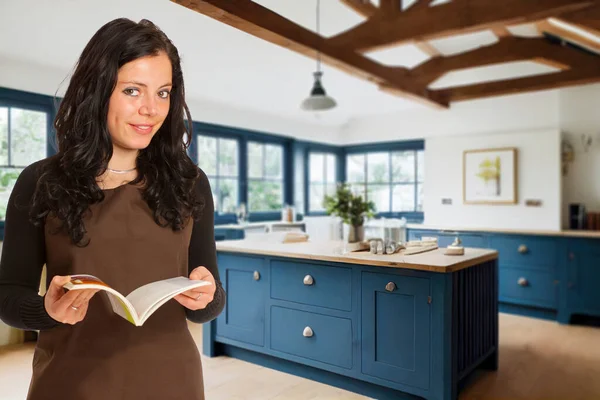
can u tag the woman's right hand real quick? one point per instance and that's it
(70, 307)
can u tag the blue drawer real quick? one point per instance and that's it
(331, 286)
(330, 343)
(538, 288)
(526, 251)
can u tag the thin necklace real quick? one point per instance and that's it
(120, 171)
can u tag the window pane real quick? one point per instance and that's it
(358, 189)
(8, 177)
(378, 167)
(404, 198)
(207, 154)
(228, 194)
(403, 166)
(228, 157)
(3, 135)
(420, 165)
(265, 195)
(330, 188)
(420, 197)
(316, 163)
(380, 195)
(331, 169)
(274, 161)
(355, 168)
(255, 160)
(316, 196)
(28, 136)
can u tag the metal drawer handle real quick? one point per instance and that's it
(523, 249)
(256, 275)
(308, 332)
(523, 282)
(308, 280)
(390, 287)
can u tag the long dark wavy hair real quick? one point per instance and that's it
(67, 185)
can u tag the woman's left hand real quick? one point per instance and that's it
(198, 298)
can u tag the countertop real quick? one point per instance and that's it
(563, 233)
(250, 225)
(433, 260)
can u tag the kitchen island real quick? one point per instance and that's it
(386, 326)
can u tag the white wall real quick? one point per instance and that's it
(580, 115)
(538, 178)
(30, 77)
(530, 111)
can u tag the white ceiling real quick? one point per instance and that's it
(227, 66)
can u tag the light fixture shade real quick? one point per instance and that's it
(318, 99)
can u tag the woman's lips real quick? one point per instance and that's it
(143, 129)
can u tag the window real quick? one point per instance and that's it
(23, 140)
(218, 158)
(393, 180)
(322, 179)
(265, 176)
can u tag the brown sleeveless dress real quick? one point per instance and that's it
(104, 356)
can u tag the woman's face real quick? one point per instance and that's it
(140, 102)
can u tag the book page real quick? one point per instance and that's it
(146, 299)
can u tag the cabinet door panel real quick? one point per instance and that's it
(396, 329)
(245, 284)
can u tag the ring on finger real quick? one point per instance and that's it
(75, 308)
(199, 295)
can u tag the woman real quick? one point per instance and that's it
(123, 201)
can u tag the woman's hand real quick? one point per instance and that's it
(198, 298)
(70, 307)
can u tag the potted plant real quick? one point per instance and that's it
(351, 208)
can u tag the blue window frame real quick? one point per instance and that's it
(26, 136)
(263, 161)
(389, 174)
(219, 158)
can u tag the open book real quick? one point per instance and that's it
(138, 305)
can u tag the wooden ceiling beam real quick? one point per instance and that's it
(362, 7)
(252, 18)
(389, 8)
(554, 80)
(506, 50)
(587, 19)
(456, 17)
(501, 32)
(567, 35)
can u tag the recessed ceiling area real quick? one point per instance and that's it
(226, 65)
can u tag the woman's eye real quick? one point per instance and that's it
(164, 94)
(131, 91)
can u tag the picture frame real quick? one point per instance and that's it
(490, 176)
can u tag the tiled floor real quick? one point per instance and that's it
(538, 360)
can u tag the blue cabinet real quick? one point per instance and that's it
(395, 326)
(245, 283)
(543, 276)
(583, 278)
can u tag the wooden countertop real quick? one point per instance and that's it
(563, 233)
(434, 260)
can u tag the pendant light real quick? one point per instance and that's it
(318, 99)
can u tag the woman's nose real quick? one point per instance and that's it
(148, 106)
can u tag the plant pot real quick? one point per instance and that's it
(356, 233)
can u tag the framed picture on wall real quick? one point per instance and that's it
(490, 176)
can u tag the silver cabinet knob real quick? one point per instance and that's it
(523, 282)
(256, 275)
(390, 287)
(523, 249)
(308, 332)
(308, 280)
